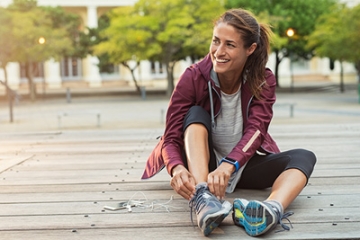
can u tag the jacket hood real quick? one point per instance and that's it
(205, 66)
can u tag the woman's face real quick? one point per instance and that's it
(227, 50)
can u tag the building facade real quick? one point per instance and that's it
(85, 71)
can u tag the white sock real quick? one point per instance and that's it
(276, 205)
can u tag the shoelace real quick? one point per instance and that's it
(197, 202)
(284, 216)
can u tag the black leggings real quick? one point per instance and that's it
(261, 171)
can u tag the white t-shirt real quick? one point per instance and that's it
(228, 131)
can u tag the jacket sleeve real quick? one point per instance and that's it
(182, 99)
(259, 114)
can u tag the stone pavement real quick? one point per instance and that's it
(119, 111)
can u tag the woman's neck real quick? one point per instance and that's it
(229, 85)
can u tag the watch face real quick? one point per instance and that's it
(231, 160)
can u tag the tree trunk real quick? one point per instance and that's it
(277, 63)
(341, 77)
(32, 85)
(7, 92)
(170, 77)
(357, 67)
(135, 81)
(132, 70)
(9, 95)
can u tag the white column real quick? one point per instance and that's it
(284, 74)
(145, 67)
(13, 71)
(52, 74)
(91, 71)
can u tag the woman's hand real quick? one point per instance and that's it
(183, 182)
(218, 179)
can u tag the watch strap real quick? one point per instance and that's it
(231, 161)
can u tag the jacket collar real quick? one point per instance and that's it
(214, 77)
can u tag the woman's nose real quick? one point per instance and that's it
(219, 50)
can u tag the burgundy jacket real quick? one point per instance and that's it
(193, 89)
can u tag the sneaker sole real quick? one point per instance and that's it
(237, 214)
(256, 218)
(212, 221)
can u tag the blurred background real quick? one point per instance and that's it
(58, 46)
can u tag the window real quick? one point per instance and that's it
(157, 69)
(36, 68)
(70, 68)
(161, 68)
(153, 70)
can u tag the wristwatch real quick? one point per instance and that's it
(231, 161)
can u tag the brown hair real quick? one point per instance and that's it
(251, 32)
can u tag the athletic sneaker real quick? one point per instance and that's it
(210, 211)
(257, 217)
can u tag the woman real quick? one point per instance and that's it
(216, 135)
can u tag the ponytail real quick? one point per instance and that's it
(256, 62)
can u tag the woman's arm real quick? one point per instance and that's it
(256, 122)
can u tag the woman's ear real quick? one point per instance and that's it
(251, 49)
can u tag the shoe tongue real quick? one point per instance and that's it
(201, 185)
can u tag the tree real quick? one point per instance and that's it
(353, 37)
(337, 37)
(123, 42)
(6, 45)
(300, 15)
(71, 23)
(166, 31)
(39, 35)
(92, 37)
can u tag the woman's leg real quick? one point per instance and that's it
(287, 173)
(197, 151)
(198, 156)
(200, 161)
(287, 187)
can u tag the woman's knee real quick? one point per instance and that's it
(198, 129)
(308, 156)
(197, 115)
(303, 160)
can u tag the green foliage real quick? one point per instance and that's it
(160, 30)
(122, 34)
(329, 34)
(337, 34)
(71, 24)
(23, 5)
(93, 37)
(6, 44)
(301, 15)
(166, 30)
(28, 28)
(30, 22)
(25, 24)
(353, 35)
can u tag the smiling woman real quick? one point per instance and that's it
(216, 137)
(229, 56)
(249, 41)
